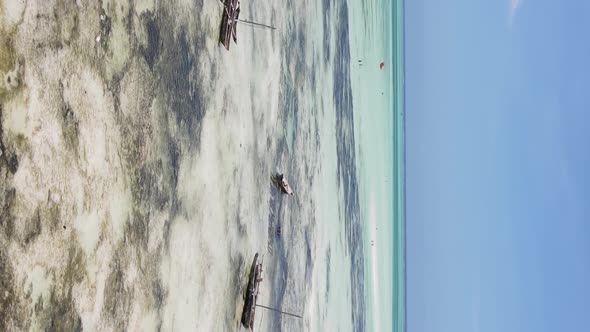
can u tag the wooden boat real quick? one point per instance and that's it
(229, 22)
(281, 182)
(252, 293)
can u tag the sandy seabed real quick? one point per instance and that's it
(135, 167)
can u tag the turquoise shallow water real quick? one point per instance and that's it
(377, 33)
(399, 270)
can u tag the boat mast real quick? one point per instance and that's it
(258, 24)
(277, 310)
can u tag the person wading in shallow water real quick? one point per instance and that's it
(284, 185)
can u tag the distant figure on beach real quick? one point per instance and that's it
(284, 185)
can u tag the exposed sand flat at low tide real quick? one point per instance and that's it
(136, 157)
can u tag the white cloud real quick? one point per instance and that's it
(514, 6)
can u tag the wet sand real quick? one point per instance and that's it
(135, 163)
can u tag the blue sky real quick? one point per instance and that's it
(498, 164)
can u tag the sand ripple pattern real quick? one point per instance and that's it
(135, 158)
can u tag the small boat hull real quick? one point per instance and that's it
(252, 293)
